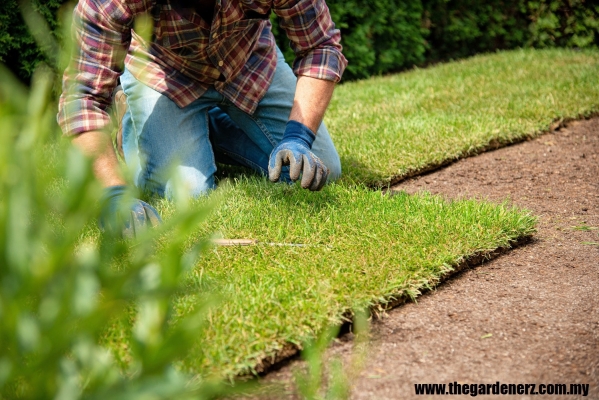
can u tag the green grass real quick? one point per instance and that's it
(361, 248)
(390, 127)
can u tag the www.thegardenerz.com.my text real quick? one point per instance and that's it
(499, 389)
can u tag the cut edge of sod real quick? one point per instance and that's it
(495, 144)
(289, 350)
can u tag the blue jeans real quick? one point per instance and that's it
(161, 140)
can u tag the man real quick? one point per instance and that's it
(210, 86)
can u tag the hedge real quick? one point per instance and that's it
(459, 28)
(382, 36)
(18, 49)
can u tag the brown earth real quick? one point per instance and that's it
(529, 316)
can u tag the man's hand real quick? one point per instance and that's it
(126, 220)
(294, 150)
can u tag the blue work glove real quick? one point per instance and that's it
(126, 220)
(294, 150)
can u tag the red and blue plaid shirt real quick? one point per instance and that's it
(235, 53)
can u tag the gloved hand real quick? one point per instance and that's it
(294, 150)
(125, 220)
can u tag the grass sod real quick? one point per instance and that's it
(361, 248)
(389, 128)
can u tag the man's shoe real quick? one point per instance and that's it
(120, 108)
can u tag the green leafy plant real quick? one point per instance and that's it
(574, 23)
(377, 36)
(63, 283)
(18, 47)
(461, 28)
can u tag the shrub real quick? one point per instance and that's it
(573, 23)
(62, 283)
(380, 36)
(18, 49)
(460, 28)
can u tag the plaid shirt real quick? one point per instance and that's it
(235, 53)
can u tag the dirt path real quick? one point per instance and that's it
(540, 302)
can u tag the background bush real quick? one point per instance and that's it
(460, 28)
(18, 49)
(381, 36)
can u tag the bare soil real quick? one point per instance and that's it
(529, 316)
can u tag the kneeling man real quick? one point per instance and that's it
(210, 85)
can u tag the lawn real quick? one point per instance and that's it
(359, 247)
(391, 127)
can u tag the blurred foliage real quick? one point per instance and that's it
(381, 36)
(574, 23)
(327, 378)
(459, 28)
(63, 283)
(378, 36)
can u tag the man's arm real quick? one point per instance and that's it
(97, 145)
(319, 64)
(312, 37)
(121, 221)
(312, 97)
(101, 36)
(101, 31)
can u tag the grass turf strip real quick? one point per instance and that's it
(387, 128)
(361, 248)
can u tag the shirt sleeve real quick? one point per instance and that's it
(314, 38)
(101, 34)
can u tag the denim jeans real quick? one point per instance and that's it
(161, 140)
